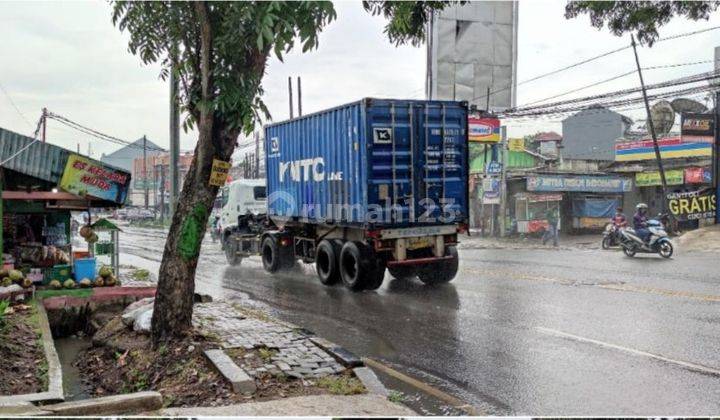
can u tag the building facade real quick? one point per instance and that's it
(591, 134)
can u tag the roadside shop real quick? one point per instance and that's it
(41, 185)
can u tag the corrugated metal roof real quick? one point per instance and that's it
(40, 160)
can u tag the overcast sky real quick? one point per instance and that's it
(69, 58)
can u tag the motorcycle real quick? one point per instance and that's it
(611, 236)
(657, 243)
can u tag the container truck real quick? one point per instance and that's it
(360, 188)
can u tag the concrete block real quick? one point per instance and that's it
(340, 354)
(125, 404)
(238, 378)
(370, 380)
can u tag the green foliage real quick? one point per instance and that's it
(641, 17)
(3, 307)
(79, 293)
(241, 36)
(341, 385)
(408, 20)
(396, 396)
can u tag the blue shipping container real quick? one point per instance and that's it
(375, 162)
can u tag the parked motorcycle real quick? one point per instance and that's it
(611, 236)
(657, 243)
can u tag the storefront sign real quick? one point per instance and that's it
(670, 147)
(516, 145)
(542, 198)
(649, 179)
(219, 173)
(697, 128)
(578, 183)
(484, 130)
(698, 176)
(83, 176)
(493, 168)
(692, 205)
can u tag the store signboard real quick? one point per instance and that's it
(84, 176)
(692, 205)
(697, 128)
(484, 130)
(670, 147)
(516, 145)
(491, 191)
(698, 175)
(578, 183)
(493, 168)
(649, 179)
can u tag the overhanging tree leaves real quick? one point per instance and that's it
(219, 51)
(642, 17)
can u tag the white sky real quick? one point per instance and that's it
(69, 57)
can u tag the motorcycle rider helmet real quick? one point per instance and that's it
(641, 206)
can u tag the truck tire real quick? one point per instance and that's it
(270, 254)
(359, 268)
(441, 272)
(402, 272)
(230, 248)
(326, 262)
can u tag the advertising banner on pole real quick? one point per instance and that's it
(83, 176)
(516, 145)
(484, 130)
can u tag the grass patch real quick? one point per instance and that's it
(266, 354)
(81, 293)
(396, 397)
(341, 385)
(141, 274)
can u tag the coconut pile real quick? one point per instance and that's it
(10, 277)
(105, 277)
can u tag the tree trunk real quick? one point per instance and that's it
(172, 315)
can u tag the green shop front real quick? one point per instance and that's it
(42, 185)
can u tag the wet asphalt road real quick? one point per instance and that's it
(519, 332)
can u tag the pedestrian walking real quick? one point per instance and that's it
(552, 230)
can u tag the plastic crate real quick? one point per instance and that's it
(59, 272)
(85, 268)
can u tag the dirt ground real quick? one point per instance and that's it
(123, 361)
(22, 358)
(705, 239)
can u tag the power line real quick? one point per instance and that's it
(98, 134)
(591, 59)
(10, 99)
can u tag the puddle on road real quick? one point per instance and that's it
(68, 349)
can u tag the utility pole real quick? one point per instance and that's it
(257, 155)
(716, 157)
(290, 97)
(162, 193)
(44, 123)
(174, 143)
(155, 188)
(145, 180)
(651, 127)
(503, 177)
(299, 97)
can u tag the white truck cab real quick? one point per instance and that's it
(240, 198)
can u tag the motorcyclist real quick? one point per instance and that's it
(619, 220)
(640, 222)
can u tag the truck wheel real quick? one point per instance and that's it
(326, 262)
(270, 254)
(359, 269)
(402, 272)
(375, 275)
(441, 272)
(231, 255)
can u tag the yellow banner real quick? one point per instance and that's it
(647, 179)
(516, 145)
(219, 174)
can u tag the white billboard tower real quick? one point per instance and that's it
(471, 48)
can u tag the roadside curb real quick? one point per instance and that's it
(126, 404)
(370, 381)
(240, 381)
(55, 388)
(342, 355)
